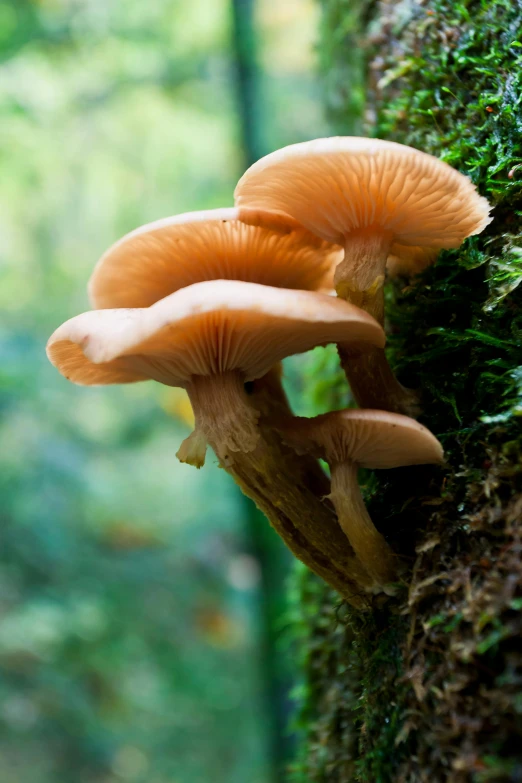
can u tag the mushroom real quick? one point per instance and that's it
(377, 199)
(252, 245)
(212, 338)
(350, 439)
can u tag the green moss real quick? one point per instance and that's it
(426, 689)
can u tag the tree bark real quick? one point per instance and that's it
(428, 688)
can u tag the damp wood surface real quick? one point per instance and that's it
(427, 687)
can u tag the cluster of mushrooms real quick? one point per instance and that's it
(213, 301)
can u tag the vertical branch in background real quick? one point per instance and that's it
(263, 544)
(247, 80)
(273, 562)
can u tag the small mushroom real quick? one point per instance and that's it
(350, 439)
(211, 338)
(252, 245)
(379, 200)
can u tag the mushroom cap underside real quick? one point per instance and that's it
(245, 244)
(369, 438)
(337, 185)
(207, 328)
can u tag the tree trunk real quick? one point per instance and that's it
(427, 688)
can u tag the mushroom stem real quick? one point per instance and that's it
(369, 545)
(219, 417)
(268, 396)
(373, 382)
(283, 485)
(283, 489)
(359, 279)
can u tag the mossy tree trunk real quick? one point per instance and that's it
(428, 688)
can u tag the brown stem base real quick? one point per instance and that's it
(373, 383)
(284, 486)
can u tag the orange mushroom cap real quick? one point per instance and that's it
(369, 438)
(337, 185)
(204, 329)
(229, 244)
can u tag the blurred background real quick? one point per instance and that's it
(142, 602)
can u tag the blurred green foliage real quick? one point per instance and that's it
(131, 587)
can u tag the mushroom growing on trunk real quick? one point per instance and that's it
(211, 338)
(379, 200)
(351, 439)
(251, 245)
